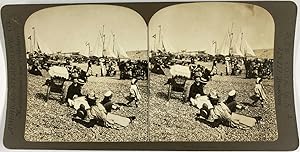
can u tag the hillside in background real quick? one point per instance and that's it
(264, 53)
(139, 54)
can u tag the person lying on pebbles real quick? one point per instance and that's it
(222, 114)
(97, 114)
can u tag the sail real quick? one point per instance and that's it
(98, 48)
(164, 45)
(238, 47)
(40, 45)
(120, 51)
(109, 50)
(225, 47)
(212, 50)
(245, 47)
(167, 46)
(248, 50)
(160, 45)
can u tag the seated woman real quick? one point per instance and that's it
(198, 98)
(74, 91)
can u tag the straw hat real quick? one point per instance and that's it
(202, 80)
(80, 81)
(213, 95)
(227, 58)
(92, 96)
(108, 94)
(232, 93)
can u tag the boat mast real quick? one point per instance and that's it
(88, 44)
(215, 42)
(154, 42)
(159, 34)
(102, 35)
(30, 44)
(33, 28)
(231, 39)
(241, 49)
(113, 46)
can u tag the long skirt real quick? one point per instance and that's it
(241, 121)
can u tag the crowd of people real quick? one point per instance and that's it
(128, 68)
(234, 66)
(133, 69)
(259, 68)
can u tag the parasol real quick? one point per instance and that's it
(179, 70)
(59, 72)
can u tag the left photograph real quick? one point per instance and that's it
(87, 75)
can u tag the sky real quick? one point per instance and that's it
(194, 26)
(70, 28)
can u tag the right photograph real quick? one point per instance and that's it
(211, 73)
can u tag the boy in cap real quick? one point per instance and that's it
(135, 95)
(260, 94)
(231, 103)
(107, 102)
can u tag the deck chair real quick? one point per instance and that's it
(55, 87)
(177, 86)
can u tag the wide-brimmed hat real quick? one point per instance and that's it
(227, 58)
(80, 81)
(198, 73)
(108, 93)
(213, 95)
(232, 93)
(91, 96)
(203, 80)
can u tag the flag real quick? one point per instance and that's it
(29, 37)
(154, 36)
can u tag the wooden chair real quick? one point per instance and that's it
(177, 86)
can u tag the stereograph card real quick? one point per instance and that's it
(150, 76)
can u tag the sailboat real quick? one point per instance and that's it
(36, 44)
(161, 43)
(244, 47)
(235, 47)
(212, 51)
(108, 46)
